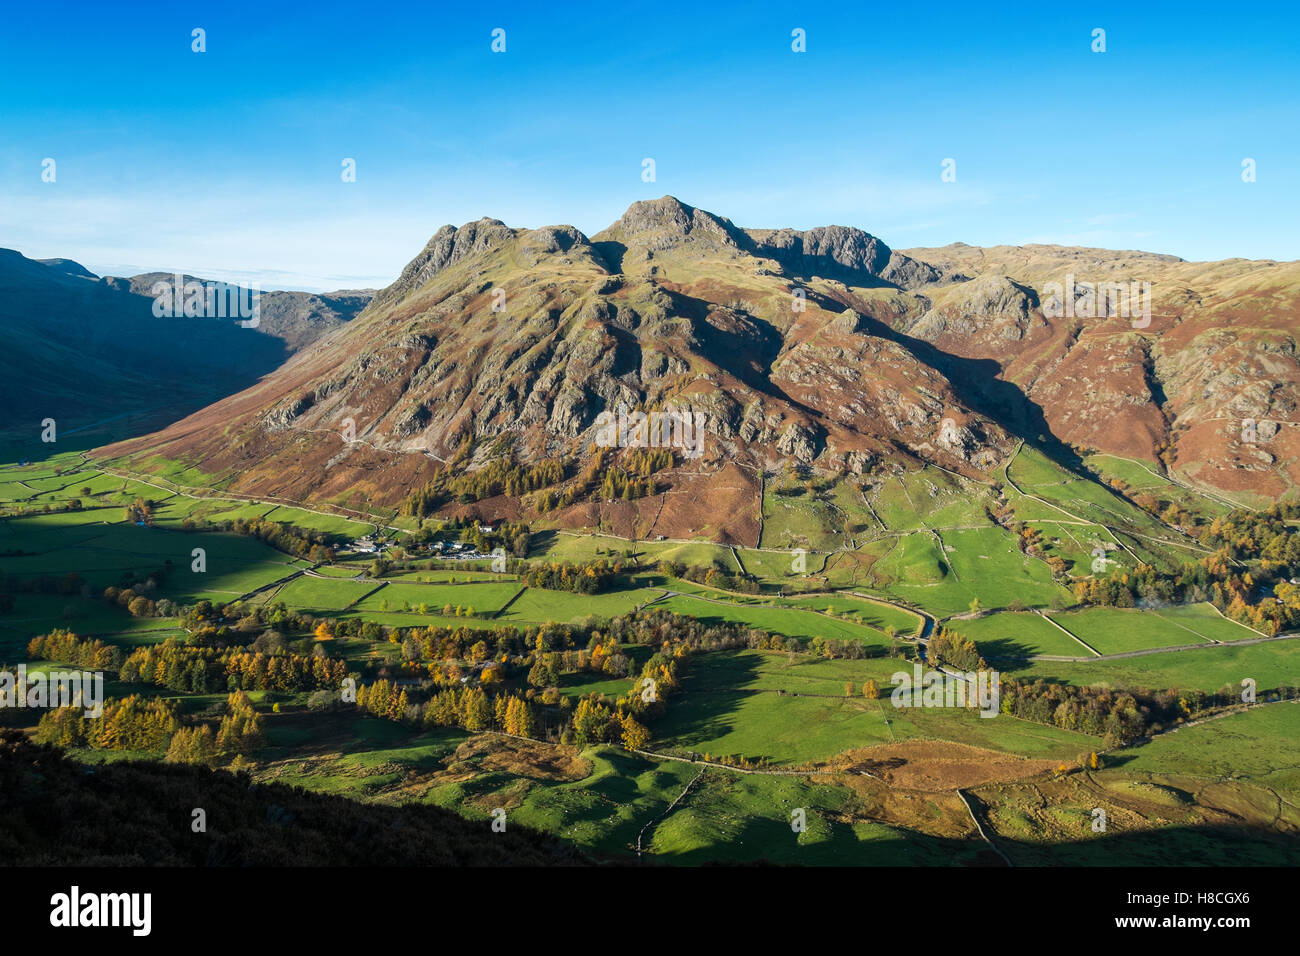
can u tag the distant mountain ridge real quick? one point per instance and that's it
(82, 348)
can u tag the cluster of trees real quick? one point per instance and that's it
(543, 654)
(285, 672)
(1237, 593)
(1030, 540)
(470, 708)
(949, 647)
(632, 477)
(440, 643)
(1262, 540)
(596, 722)
(178, 667)
(592, 577)
(131, 723)
(136, 600)
(503, 476)
(474, 709)
(579, 489)
(239, 732)
(1170, 512)
(155, 725)
(185, 668)
(140, 511)
(713, 575)
(601, 479)
(1263, 536)
(1118, 716)
(212, 625)
(67, 648)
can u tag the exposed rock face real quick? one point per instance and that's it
(809, 348)
(989, 303)
(663, 223)
(448, 246)
(840, 252)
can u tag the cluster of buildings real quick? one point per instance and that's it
(453, 550)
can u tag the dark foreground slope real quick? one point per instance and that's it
(54, 812)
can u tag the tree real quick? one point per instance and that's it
(635, 734)
(871, 690)
(975, 605)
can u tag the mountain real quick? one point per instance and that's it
(86, 350)
(823, 350)
(1218, 349)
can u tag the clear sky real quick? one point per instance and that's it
(227, 163)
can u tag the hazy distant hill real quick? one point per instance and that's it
(81, 349)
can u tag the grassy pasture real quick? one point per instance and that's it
(103, 552)
(789, 622)
(1113, 630)
(1206, 668)
(487, 596)
(1011, 635)
(1261, 745)
(321, 594)
(729, 705)
(540, 606)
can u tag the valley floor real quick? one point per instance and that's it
(754, 740)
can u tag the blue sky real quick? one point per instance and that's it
(227, 163)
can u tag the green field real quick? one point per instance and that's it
(539, 606)
(1013, 635)
(482, 597)
(1113, 630)
(1206, 668)
(1261, 745)
(982, 563)
(101, 552)
(789, 622)
(730, 705)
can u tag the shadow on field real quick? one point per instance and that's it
(705, 709)
(1005, 653)
(1212, 845)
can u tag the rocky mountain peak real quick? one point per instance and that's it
(448, 246)
(840, 252)
(666, 222)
